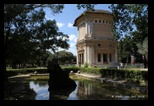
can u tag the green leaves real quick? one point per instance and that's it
(130, 20)
(87, 6)
(27, 32)
(143, 47)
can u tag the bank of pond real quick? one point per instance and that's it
(36, 87)
(134, 76)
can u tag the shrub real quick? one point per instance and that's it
(86, 65)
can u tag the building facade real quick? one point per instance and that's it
(96, 44)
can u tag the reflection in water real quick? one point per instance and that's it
(85, 90)
(40, 90)
(19, 91)
(60, 93)
(73, 95)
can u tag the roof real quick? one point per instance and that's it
(91, 11)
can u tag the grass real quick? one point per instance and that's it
(141, 69)
(10, 69)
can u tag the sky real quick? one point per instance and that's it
(65, 21)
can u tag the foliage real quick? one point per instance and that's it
(143, 47)
(27, 34)
(86, 65)
(64, 57)
(87, 6)
(130, 20)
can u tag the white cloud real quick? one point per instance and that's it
(72, 37)
(72, 44)
(60, 24)
(48, 18)
(70, 25)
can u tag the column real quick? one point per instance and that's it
(77, 59)
(92, 55)
(88, 55)
(85, 54)
(116, 57)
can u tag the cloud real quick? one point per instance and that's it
(60, 24)
(70, 25)
(72, 37)
(48, 18)
(72, 44)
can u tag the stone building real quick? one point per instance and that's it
(95, 44)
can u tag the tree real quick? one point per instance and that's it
(143, 49)
(26, 32)
(64, 57)
(132, 20)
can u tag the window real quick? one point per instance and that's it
(82, 24)
(110, 57)
(99, 21)
(99, 45)
(99, 57)
(95, 21)
(104, 57)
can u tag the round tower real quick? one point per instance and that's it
(96, 45)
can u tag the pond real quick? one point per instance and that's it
(36, 88)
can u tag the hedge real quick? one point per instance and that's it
(119, 74)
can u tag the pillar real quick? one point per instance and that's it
(116, 57)
(85, 54)
(88, 56)
(77, 59)
(92, 55)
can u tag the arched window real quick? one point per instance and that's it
(82, 24)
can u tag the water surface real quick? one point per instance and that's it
(86, 89)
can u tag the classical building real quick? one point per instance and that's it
(95, 44)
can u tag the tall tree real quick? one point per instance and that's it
(143, 49)
(26, 32)
(131, 19)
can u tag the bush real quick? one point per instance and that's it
(86, 65)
